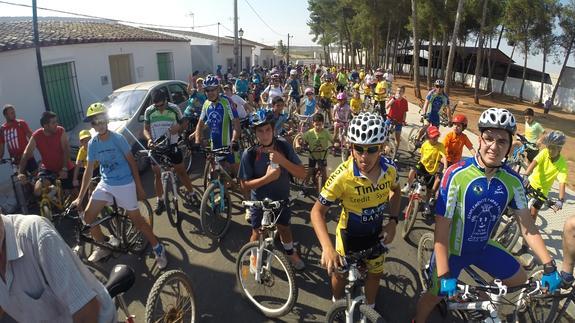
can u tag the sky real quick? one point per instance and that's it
(275, 21)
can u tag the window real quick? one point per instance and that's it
(178, 95)
(165, 66)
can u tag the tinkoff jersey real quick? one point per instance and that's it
(474, 204)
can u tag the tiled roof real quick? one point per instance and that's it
(18, 34)
(195, 34)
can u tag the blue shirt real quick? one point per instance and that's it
(436, 102)
(294, 83)
(276, 190)
(241, 86)
(110, 153)
(309, 106)
(218, 116)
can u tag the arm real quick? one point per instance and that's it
(562, 191)
(394, 205)
(531, 167)
(252, 184)
(389, 103)
(442, 228)
(28, 152)
(297, 170)
(425, 106)
(329, 257)
(198, 132)
(88, 313)
(237, 130)
(66, 151)
(147, 133)
(1, 150)
(531, 235)
(85, 181)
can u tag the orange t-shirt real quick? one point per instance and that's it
(454, 146)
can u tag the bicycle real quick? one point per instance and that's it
(417, 193)
(518, 159)
(317, 176)
(20, 192)
(353, 307)
(127, 238)
(390, 150)
(480, 303)
(166, 303)
(414, 134)
(216, 204)
(51, 198)
(270, 271)
(508, 230)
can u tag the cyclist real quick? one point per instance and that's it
(120, 183)
(388, 77)
(435, 101)
(242, 107)
(294, 89)
(265, 170)
(273, 90)
(317, 80)
(366, 185)
(341, 115)
(223, 121)
(309, 102)
(456, 139)
(397, 108)
(326, 92)
(16, 134)
(534, 133)
(52, 143)
(355, 103)
(305, 74)
(242, 85)
(549, 165)
(317, 140)
(380, 93)
(431, 164)
(82, 158)
(473, 195)
(163, 118)
(341, 79)
(195, 103)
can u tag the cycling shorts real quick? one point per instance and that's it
(494, 260)
(398, 126)
(67, 183)
(344, 242)
(125, 195)
(428, 178)
(256, 215)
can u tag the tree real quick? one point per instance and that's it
(567, 39)
(282, 49)
(415, 49)
(543, 34)
(451, 56)
(479, 56)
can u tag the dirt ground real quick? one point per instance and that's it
(555, 120)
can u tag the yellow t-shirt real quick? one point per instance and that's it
(318, 142)
(533, 131)
(380, 91)
(363, 203)
(361, 76)
(431, 156)
(547, 171)
(355, 105)
(326, 90)
(82, 158)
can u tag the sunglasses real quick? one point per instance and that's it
(98, 122)
(370, 149)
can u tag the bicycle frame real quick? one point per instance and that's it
(354, 278)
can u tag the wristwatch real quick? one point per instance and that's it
(549, 267)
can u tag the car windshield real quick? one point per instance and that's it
(123, 105)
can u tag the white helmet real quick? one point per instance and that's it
(367, 128)
(497, 118)
(293, 72)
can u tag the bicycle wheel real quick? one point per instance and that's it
(171, 203)
(413, 134)
(171, 299)
(424, 251)
(543, 308)
(207, 177)
(215, 214)
(124, 229)
(276, 293)
(410, 215)
(336, 313)
(508, 231)
(187, 154)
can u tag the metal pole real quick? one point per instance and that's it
(218, 37)
(39, 56)
(287, 58)
(241, 54)
(236, 51)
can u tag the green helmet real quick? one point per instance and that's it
(93, 110)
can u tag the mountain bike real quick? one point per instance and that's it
(518, 159)
(19, 188)
(354, 307)
(390, 145)
(316, 177)
(52, 197)
(508, 230)
(171, 299)
(414, 134)
(481, 302)
(343, 148)
(416, 196)
(216, 205)
(264, 273)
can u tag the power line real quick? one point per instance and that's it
(265, 23)
(103, 18)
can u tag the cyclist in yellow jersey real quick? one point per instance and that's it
(355, 103)
(326, 92)
(366, 187)
(547, 167)
(380, 93)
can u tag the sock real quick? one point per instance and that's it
(288, 248)
(158, 248)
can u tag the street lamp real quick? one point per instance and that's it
(241, 34)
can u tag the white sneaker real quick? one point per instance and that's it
(248, 215)
(161, 258)
(113, 241)
(405, 188)
(98, 254)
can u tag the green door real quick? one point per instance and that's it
(63, 95)
(165, 66)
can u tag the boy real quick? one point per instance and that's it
(397, 109)
(432, 153)
(355, 103)
(318, 141)
(456, 139)
(326, 92)
(82, 158)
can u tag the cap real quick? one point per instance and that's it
(432, 132)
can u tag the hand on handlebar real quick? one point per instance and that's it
(448, 287)
(22, 178)
(331, 260)
(557, 206)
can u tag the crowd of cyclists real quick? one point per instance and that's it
(289, 109)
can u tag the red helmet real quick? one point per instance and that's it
(433, 132)
(460, 118)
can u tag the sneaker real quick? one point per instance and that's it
(98, 254)
(567, 280)
(160, 253)
(405, 188)
(160, 207)
(296, 262)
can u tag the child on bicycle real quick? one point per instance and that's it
(120, 183)
(341, 113)
(431, 164)
(456, 139)
(397, 108)
(317, 140)
(380, 93)
(81, 158)
(366, 187)
(309, 102)
(265, 170)
(326, 92)
(355, 103)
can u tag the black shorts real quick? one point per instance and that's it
(340, 87)
(325, 104)
(31, 165)
(256, 215)
(428, 178)
(297, 99)
(531, 153)
(320, 162)
(66, 183)
(316, 90)
(174, 155)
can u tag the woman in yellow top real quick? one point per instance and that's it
(355, 102)
(432, 153)
(380, 93)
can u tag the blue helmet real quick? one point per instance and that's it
(262, 117)
(211, 82)
(555, 138)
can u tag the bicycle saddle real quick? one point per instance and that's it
(120, 280)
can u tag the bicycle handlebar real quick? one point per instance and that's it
(499, 288)
(526, 142)
(266, 204)
(538, 194)
(354, 257)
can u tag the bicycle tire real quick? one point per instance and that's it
(211, 212)
(269, 278)
(174, 311)
(171, 203)
(413, 134)
(424, 250)
(543, 308)
(206, 177)
(20, 197)
(336, 313)
(124, 229)
(508, 231)
(296, 143)
(411, 213)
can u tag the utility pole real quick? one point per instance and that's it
(287, 56)
(39, 56)
(218, 37)
(236, 49)
(191, 14)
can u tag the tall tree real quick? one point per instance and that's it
(415, 48)
(543, 34)
(479, 56)
(451, 56)
(567, 39)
